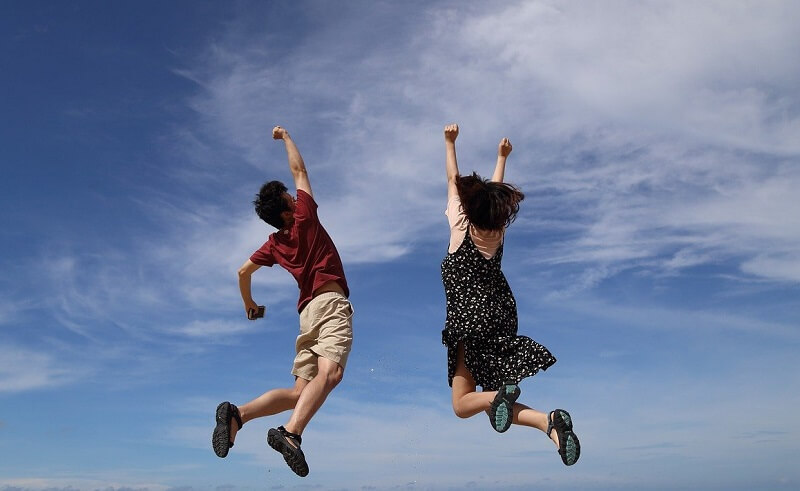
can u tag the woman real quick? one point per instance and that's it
(480, 333)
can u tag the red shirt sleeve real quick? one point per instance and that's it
(263, 256)
(306, 206)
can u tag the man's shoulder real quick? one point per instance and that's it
(264, 255)
(306, 205)
(305, 197)
(270, 239)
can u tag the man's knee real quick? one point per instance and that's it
(299, 385)
(333, 373)
(335, 376)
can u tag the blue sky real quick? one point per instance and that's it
(657, 252)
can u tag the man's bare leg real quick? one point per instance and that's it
(314, 394)
(286, 439)
(272, 402)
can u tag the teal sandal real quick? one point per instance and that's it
(501, 412)
(569, 447)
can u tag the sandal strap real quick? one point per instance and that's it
(550, 424)
(236, 416)
(288, 434)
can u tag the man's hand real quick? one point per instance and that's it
(451, 133)
(250, 308)
(504, 148)
(279, 133)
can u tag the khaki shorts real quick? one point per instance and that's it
(326, 330)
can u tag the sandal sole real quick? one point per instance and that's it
(570, 450)
(502, 414)
(297, 463)
(221, 437)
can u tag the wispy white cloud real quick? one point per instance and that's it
(216, 330)
(655, 137)
(418, 438)
(77, 483)
(636, 148)
(713, 70)
(672, 148)
(712, 322)
(665, 144)
(711, 214)
(24, 369)
(11, 310)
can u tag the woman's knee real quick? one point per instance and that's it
(460, 410)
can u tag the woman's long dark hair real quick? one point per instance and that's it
(488, 205)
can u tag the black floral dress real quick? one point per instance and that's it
(482, 314)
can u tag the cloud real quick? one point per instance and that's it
(637, 149)
(411, 435)
(23, 369)
(651, 140)
(11, 310)
(713, 70)
(74, 484)
(721, 211)
(712, 322)
(646, 139)
(216, 330)
(784, 267)
(673, 151)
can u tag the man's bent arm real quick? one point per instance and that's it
(245, 275)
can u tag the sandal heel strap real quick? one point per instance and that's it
(289, 434)
(237, 416)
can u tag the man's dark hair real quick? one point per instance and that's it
(270, 203)
(488, 205)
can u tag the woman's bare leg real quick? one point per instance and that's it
(466, 401)
(527, 416)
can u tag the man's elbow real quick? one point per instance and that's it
(299, 172)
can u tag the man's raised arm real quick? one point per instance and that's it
(296, 164)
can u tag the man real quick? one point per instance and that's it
(302, 247)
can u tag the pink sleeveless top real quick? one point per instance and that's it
(487, 241)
